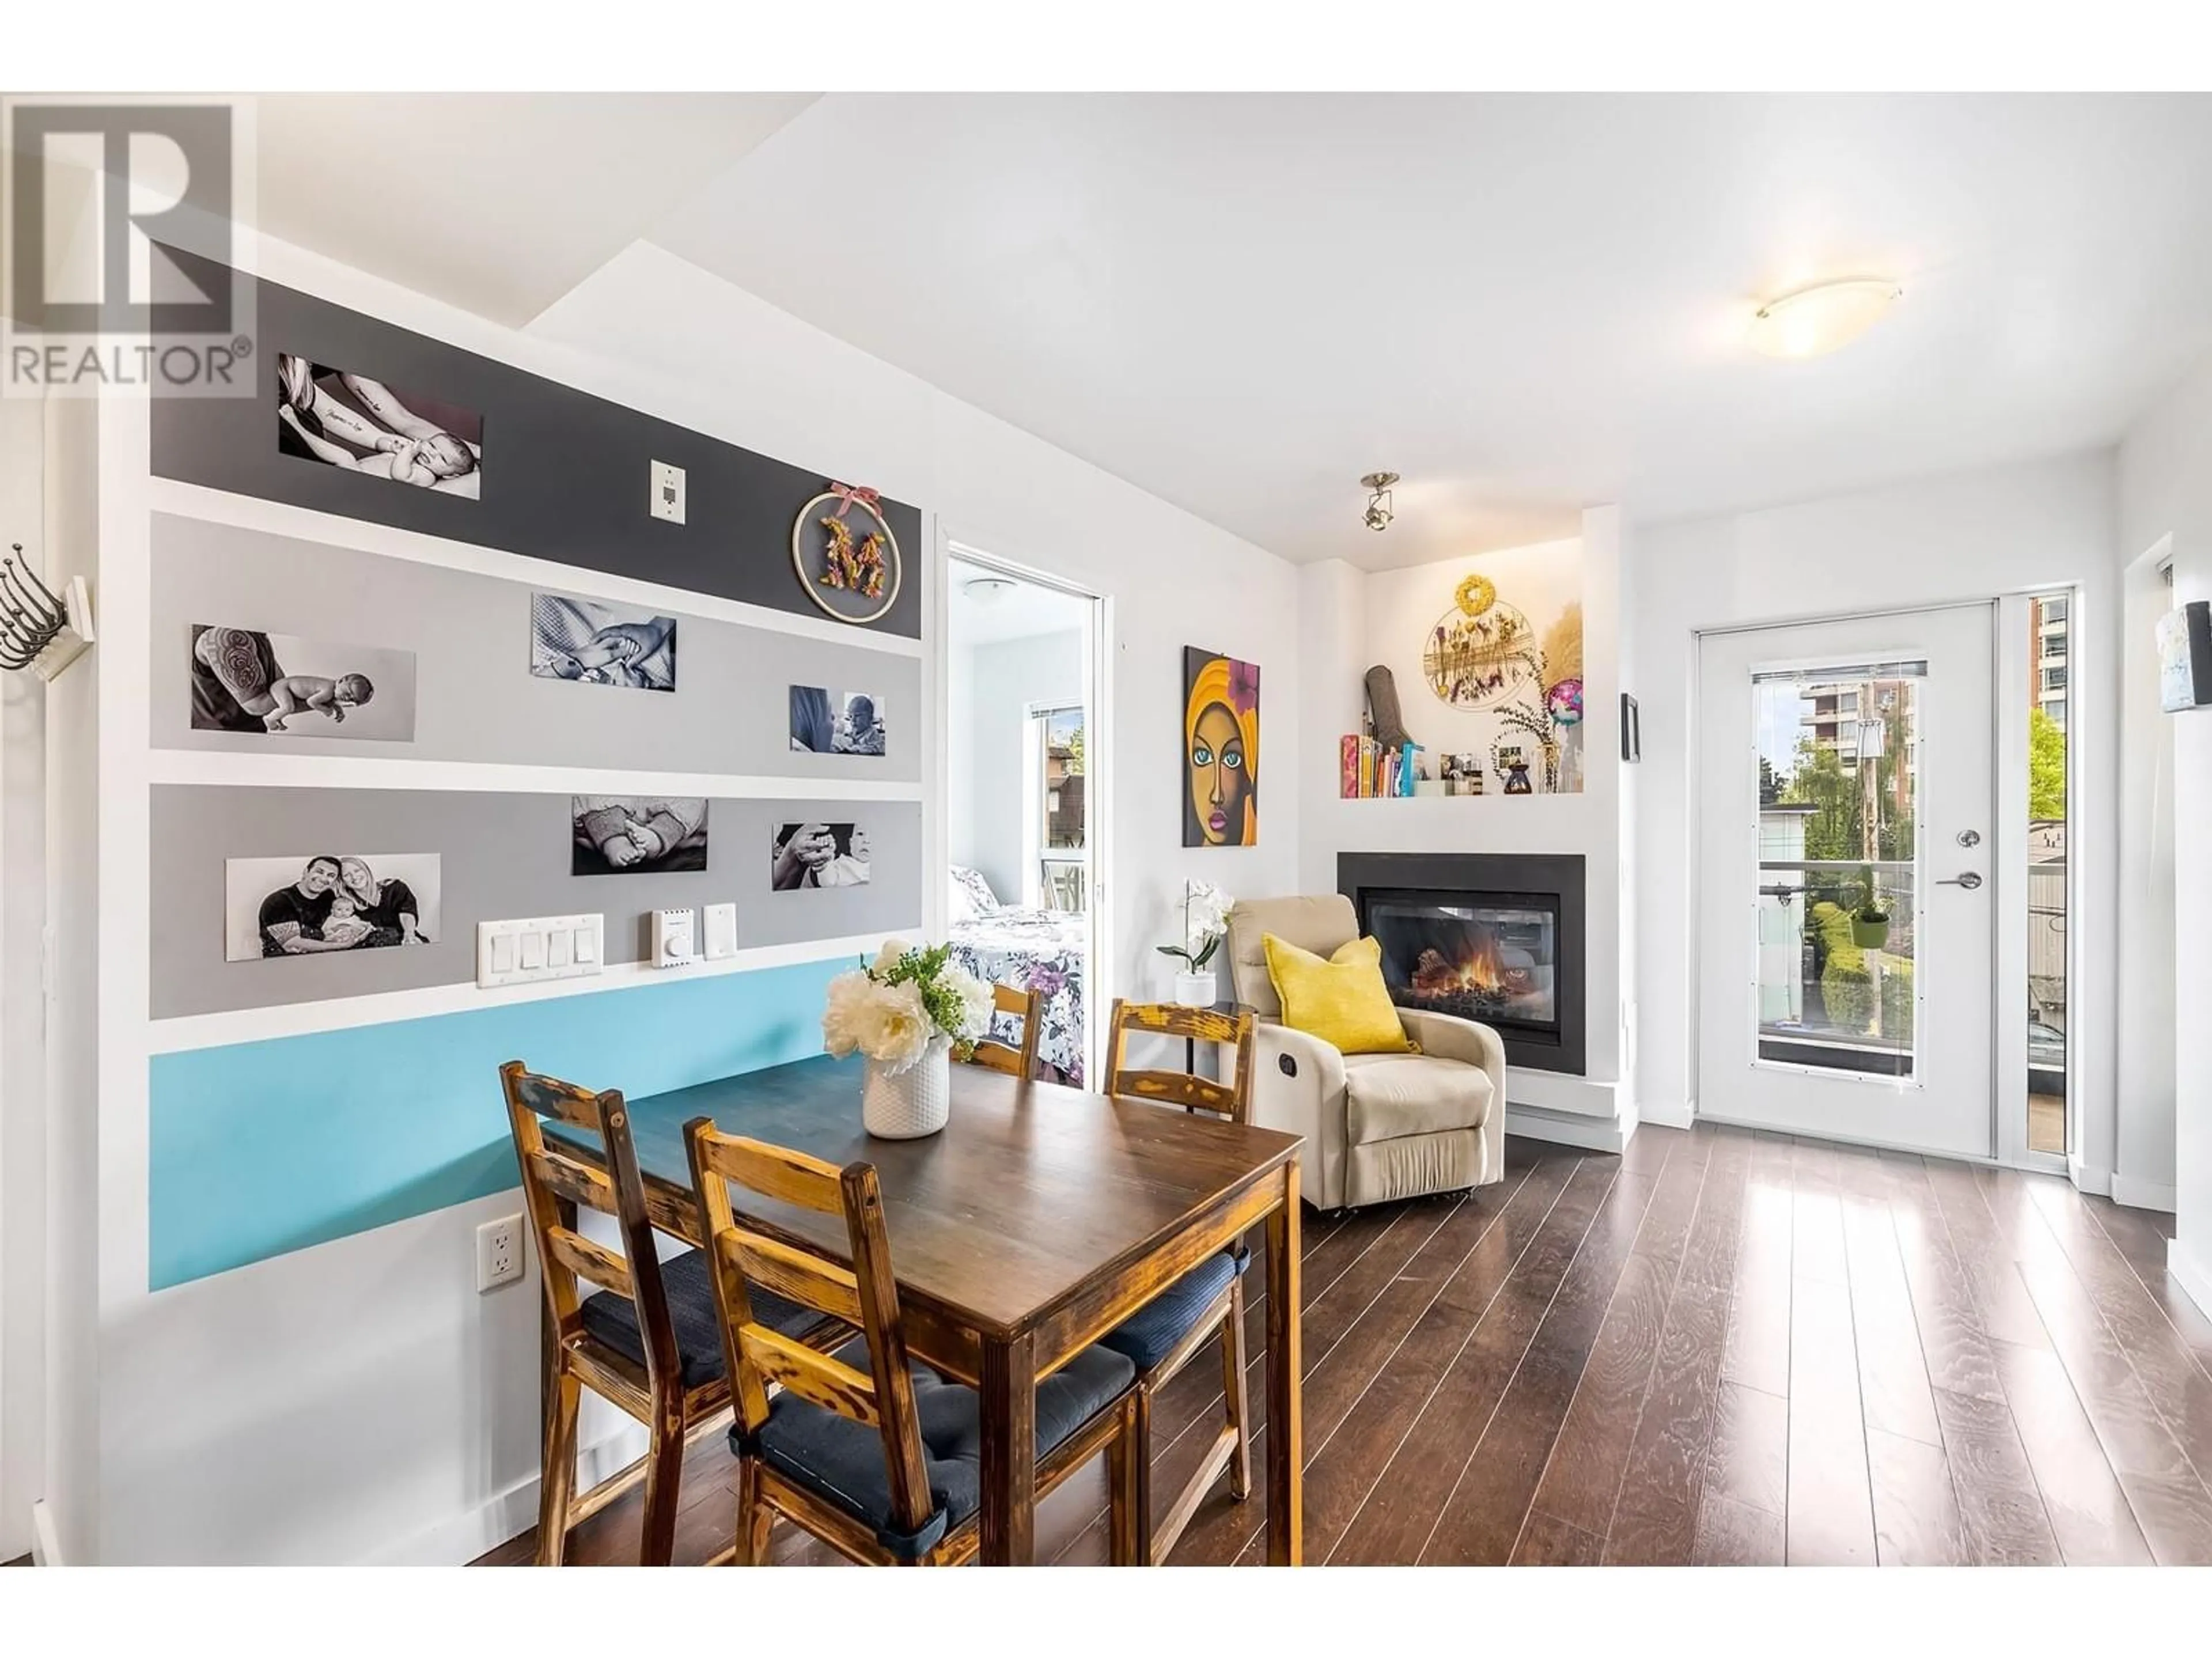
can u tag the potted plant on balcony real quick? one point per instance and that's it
(1870, 920)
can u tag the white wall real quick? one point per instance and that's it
(2165, 489)
(1352, 619)
(987, 754)
(1960, 537)
(729, 363)
(230, 1419)
(22, 1013)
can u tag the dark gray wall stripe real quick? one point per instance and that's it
(565, 473)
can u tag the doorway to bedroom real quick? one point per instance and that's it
(1025, 765)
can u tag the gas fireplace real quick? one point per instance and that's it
(1495, 938)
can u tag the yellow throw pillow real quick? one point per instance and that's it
(1343, 1000)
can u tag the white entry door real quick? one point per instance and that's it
(1845, 909)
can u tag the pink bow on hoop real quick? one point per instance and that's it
(848, 494)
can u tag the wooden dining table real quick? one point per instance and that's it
(1038, 1219)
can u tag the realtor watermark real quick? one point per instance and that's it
(126, 222)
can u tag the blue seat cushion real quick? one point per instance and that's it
(613, 1319)
(843, 1463)
(1150, 1334)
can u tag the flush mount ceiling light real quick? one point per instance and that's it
(1816, 320)
(987, 590)
(1377, 485)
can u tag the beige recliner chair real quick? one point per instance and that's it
(1377, 1126)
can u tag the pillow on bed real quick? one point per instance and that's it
(969, 897)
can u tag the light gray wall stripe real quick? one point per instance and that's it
(503, 855)
(475, 699)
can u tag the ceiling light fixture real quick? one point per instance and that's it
(987, 590)
(1814, 321)
(1377, 484)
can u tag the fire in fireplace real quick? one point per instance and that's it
(1496, 963)
(1497, 938)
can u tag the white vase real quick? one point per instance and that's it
(1197, 990)
(913, 1103)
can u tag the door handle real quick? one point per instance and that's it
(1969, 880)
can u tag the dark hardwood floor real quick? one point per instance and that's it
(1720, 1347)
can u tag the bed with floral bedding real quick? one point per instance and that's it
(1040, 950)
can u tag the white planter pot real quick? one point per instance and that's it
(915, 1102)
(1197, 990)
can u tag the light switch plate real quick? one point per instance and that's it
(721, 932)
(667, 492)
(524, 951)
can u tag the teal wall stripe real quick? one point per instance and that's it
(260, 1148)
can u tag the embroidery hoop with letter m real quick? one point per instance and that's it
(854, 577)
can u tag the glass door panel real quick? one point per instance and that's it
(1836, 909)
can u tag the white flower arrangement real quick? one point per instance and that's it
(893, 1009)
(1206, 910)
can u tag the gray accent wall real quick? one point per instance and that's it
(566, 474)
(475, 699)
(502, 855)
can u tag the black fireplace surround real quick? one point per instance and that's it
(1493, 936)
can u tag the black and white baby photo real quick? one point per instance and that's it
(819, 855)
(321, 902)
(835, 722)
(601, 644)
(266, 684)
(636, 834)
(346, 419)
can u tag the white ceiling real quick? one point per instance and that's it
(499, 203)
(1020, 612)
(1525, 304)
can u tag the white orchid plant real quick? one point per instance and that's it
(1205, 923)
(892, 1009)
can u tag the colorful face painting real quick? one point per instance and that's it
(1220, 750)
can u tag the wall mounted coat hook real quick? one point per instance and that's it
(41, 629)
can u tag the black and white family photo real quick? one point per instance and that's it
(636, 834)
(245, 680)
(836, 722)
(349, 421)
(819, 855)
(326, 901)
(601, 644)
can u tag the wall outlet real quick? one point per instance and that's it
(667, 492)
(499, 1253)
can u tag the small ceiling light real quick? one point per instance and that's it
(1816, 320)
(987, 590)
(1377, 484)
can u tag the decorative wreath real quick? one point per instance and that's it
(846, 556)
(1476, 594)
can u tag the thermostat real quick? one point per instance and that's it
(673, 938)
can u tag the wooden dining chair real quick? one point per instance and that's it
(877, 1456)
(1005, 1057)
(1208, 1301)
(648, 1339)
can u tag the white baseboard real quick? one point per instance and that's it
(45, 1542)
(1559, 1091)
(2088, 1178)
(1591, 1135)
(2192, 1275)
(1672, 1115)
(464, 1537)
(2142, 1194)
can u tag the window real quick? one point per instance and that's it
(1060, 818)
(2054, 613)
(2054, 678)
